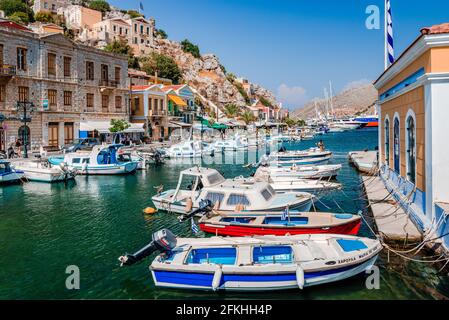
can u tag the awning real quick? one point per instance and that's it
(177, 124)
(103, 127)
(177, 100)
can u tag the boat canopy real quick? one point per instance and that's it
(103, 127)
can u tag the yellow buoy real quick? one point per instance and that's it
(149, 210)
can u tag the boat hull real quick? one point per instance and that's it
(11, 177)
(256, 282)
(351, 228)
(118, 169)
(47, 177)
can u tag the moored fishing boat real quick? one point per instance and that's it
(102, 160)
(189, 149)
(258, 263)
(227, 195)
(299, 155)
(44, 171)
(9, 174)
(279, 224)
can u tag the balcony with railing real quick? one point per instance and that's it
(108, 84)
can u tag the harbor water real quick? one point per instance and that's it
(89, 223)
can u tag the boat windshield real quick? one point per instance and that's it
(223, 256)
(4, 167)
(273, 254)
(215, 178)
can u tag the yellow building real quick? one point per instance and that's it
(413, 108)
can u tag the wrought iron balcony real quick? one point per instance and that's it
(7, 70)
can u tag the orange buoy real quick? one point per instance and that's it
(149, 210)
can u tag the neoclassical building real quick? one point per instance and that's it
(413, 108)
(68, 84)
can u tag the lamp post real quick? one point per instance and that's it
(24, 111)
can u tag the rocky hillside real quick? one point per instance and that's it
(206, 75)
(352, 101)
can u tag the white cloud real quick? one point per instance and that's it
(292, 97)
(357, 83)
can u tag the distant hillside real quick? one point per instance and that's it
(352, 101)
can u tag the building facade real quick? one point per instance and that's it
(49, 5)
(78, 17)
(413, 112)
(68, 84)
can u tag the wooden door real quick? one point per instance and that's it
(2, 139)
(68, 133)
(53, 134)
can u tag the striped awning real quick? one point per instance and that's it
(177, 100)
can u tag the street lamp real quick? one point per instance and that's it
(24, 111)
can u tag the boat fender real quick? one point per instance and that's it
(149, 210)
(189, 205)
(217, 278)
(300, 277)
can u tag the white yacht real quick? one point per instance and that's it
(280, 173)
(44, 171)
(227, 195)
(189, 149)
(237, 143)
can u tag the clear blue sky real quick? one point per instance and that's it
(292, 47)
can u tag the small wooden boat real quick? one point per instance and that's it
(278, 224)
(259, 263)
(299, 155)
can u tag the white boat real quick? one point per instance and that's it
(294, 184)
(227, 195)
(260, 263)
(8, 174)
(44, 171)
(280, 173)
(102, 160)
(299, 154)
(236, 143)
(189, 149)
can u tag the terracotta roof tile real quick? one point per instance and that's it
(437, 29)
(13, 25)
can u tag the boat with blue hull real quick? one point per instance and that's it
(8, 174)
(261, 263)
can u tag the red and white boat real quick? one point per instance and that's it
(242, 224)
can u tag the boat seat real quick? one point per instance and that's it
(316, 251)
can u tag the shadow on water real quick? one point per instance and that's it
(89, 223)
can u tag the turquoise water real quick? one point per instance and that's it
(45, 228)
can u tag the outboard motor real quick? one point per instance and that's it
(163, 241)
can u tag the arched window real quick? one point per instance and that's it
(396, 146)
(24, 135)
(411, 148)
(387, 142)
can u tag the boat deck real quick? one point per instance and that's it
(364, 161)
(393, 223)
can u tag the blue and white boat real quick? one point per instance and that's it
(102, 160)
(260, 263)
(9, 174)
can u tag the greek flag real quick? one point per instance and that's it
(285, 214)
(194, 227)
(389, 44)
(141, 6)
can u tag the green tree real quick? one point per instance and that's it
(118, 125)
(265, 102)
(100, 5)
(301, 123)
(161, 34)
(134, 14)
(122, 47)
(12, 6)
(290, 122)
(248, 117)
(44, 16)
(19, 17)
(164, 65)
(231, 110)
(191, 48)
